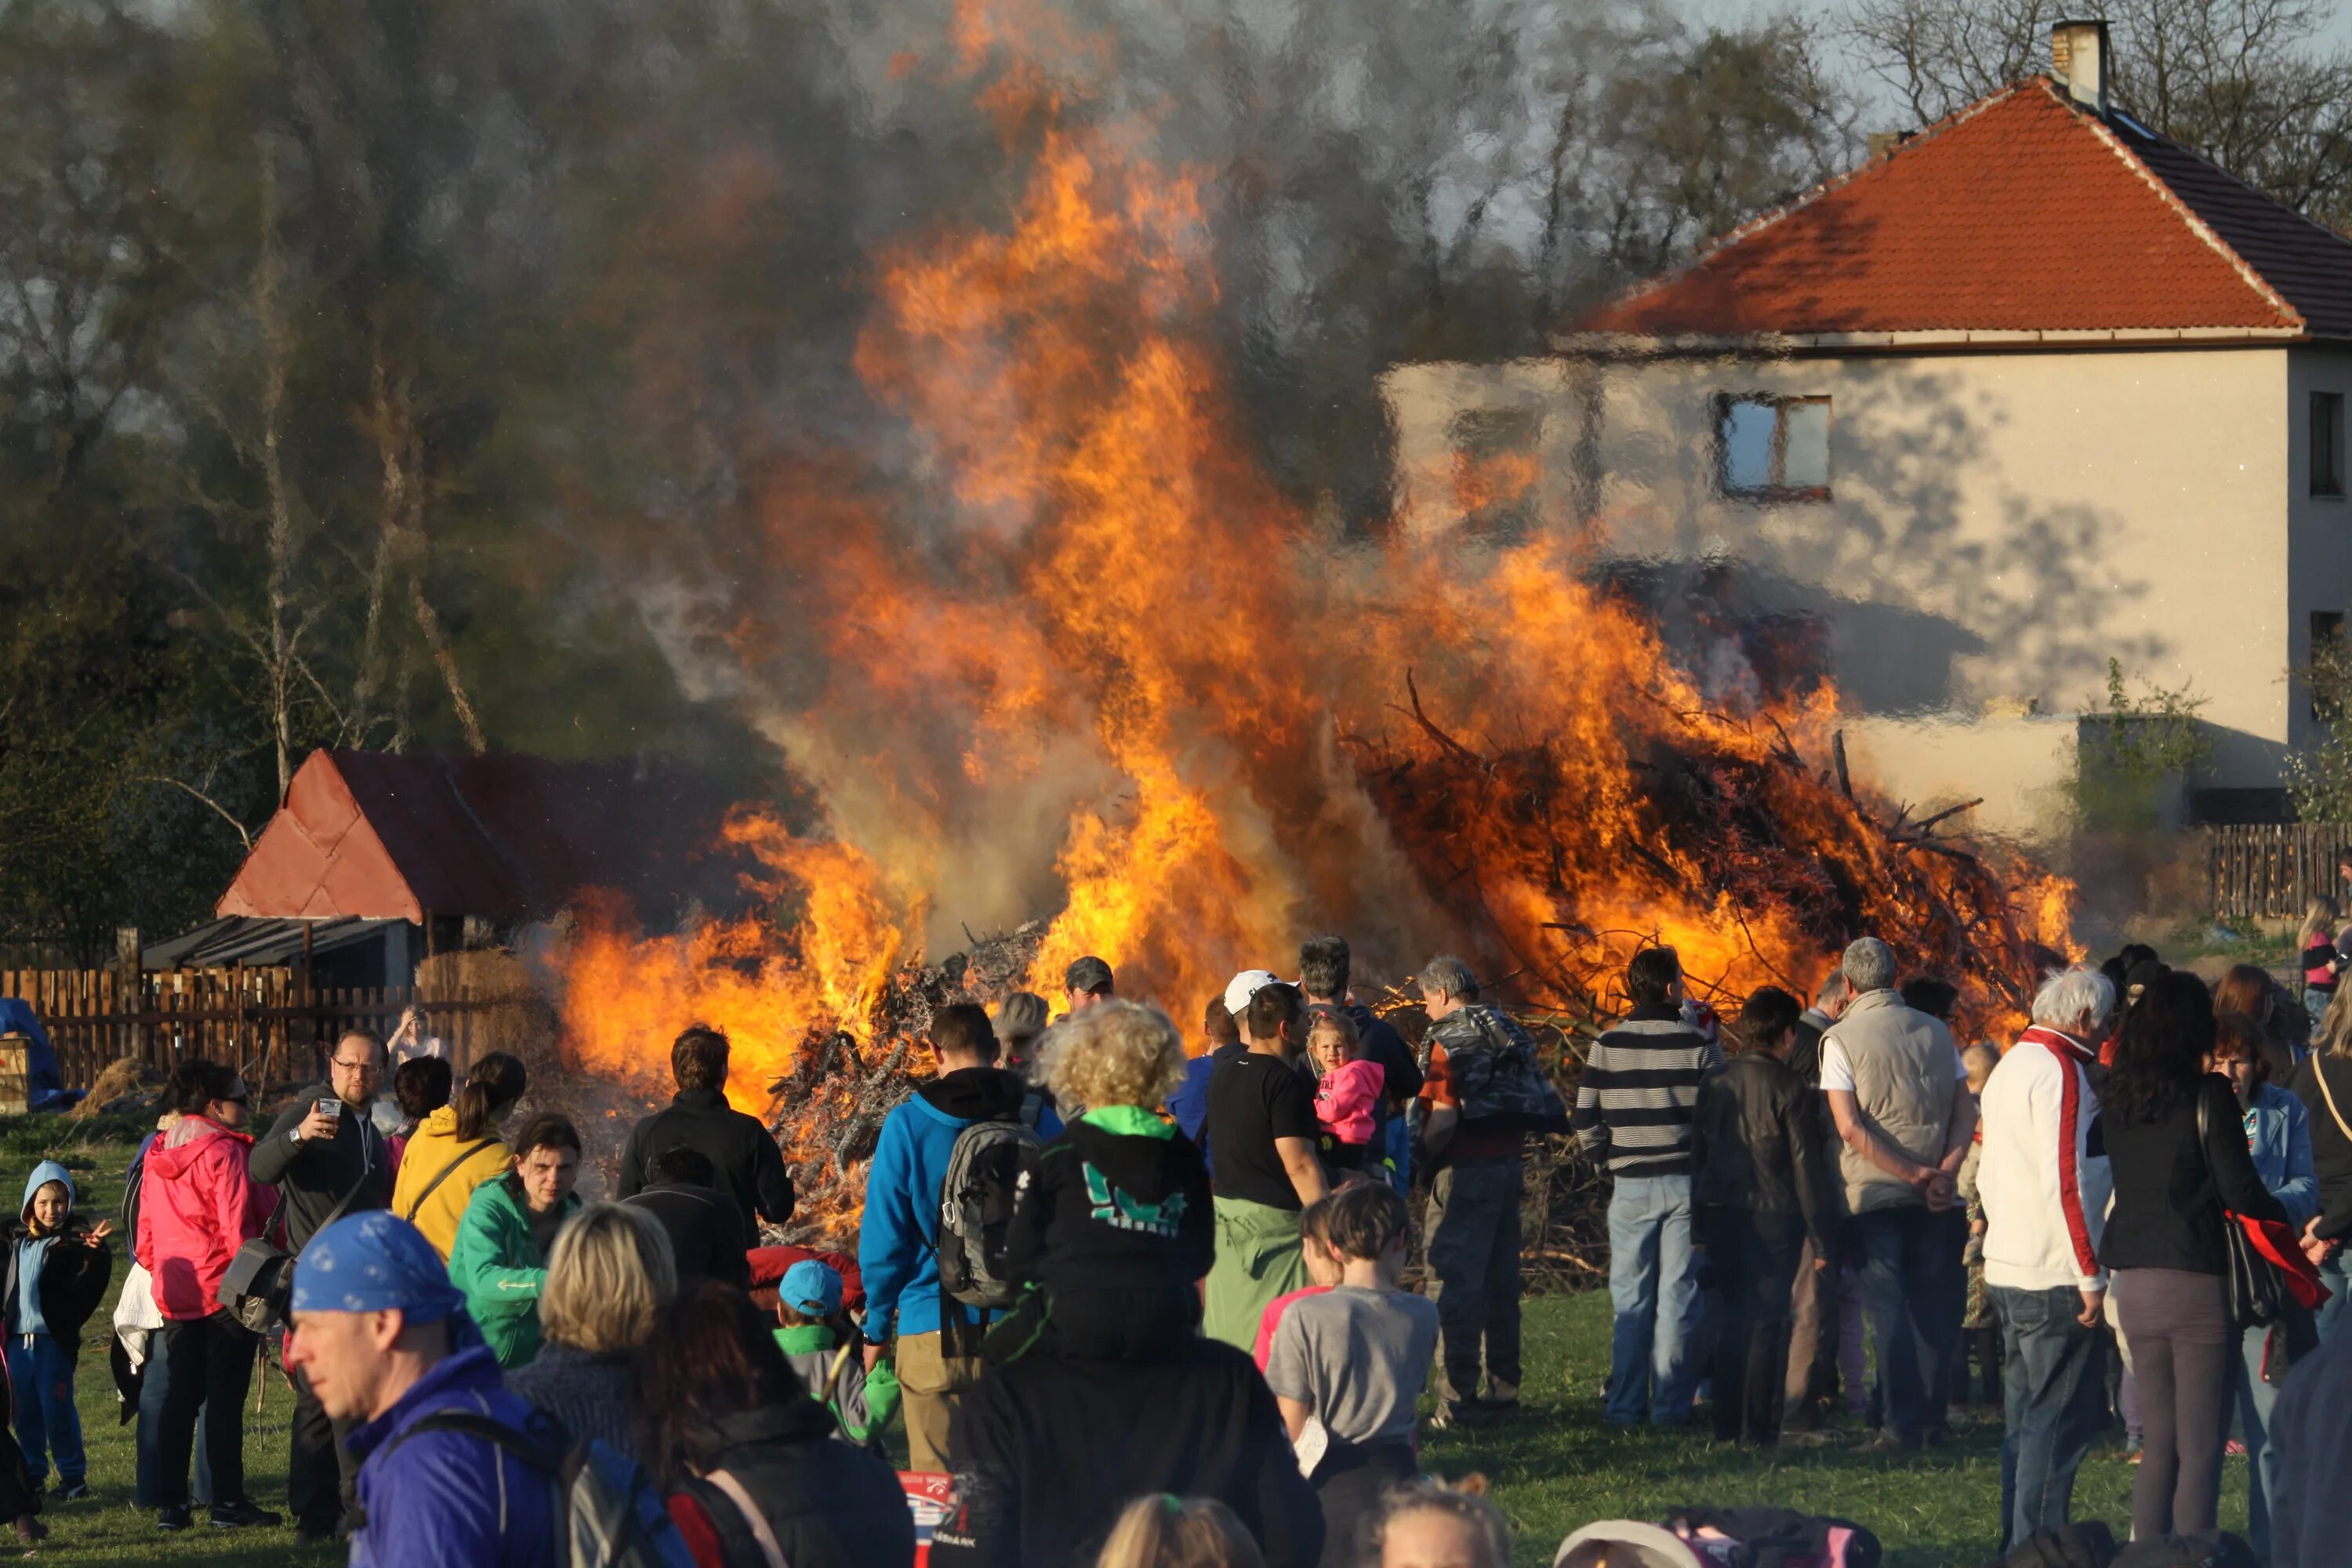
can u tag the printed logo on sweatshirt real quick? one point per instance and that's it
(1120, 1212)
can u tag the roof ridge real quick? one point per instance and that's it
(1812, 194)
(2246, 185)
(2172, 198)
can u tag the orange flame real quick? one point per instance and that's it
(1126, 684)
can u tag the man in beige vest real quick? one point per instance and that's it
(1905, 1116)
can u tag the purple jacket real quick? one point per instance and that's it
(450, 1498)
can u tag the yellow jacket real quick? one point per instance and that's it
(429, 1153)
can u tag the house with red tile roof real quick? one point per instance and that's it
(2031, 390)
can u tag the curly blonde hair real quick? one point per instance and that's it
(1114, 1053)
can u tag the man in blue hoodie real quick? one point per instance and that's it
(938, 1355)
(383, 1338)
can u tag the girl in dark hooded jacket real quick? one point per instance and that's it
(57, 1269)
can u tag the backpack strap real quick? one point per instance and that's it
(337, 1212)
(467, 1152)
(537, 1453)
(2319, 1071)
(552, 1454)
(753, 1519)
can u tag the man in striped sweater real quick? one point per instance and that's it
(1633, 1113)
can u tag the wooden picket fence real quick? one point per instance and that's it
(265, 1019)
(2273, 870)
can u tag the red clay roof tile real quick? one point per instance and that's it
(2021, 213)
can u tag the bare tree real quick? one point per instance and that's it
(2247, 83)
(1940, 54)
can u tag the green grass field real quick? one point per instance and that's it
(1557, 1467)
(1554, 1468)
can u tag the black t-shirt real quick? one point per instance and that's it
(1252, 1100)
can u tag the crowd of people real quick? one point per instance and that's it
(2130, 1214)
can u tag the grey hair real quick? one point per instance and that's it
(1868, 965)
(1451, 975)
(1833, 990)
(2070, 994)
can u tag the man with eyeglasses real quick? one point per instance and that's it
(326, 1159)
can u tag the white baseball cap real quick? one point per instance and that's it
(1244, 985)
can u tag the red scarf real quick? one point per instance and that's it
(2066, 1046)
(2277, 1242)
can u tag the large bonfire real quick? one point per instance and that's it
(1095, 669)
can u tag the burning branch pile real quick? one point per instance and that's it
(1727, 816)
(827, 1109)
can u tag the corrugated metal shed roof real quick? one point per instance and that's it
(243, 938)
(380, 837)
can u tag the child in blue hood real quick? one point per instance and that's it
(57, 1269)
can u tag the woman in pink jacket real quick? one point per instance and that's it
(196, 1206)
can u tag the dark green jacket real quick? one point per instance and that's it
(498, 1266)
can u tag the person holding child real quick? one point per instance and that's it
(1352, 1362)
(1348, 1090)
(821, 1346)
(57, 1269)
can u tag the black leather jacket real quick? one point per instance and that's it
(1757, 1144)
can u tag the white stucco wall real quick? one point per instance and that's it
(2000, 524)
(2319, 528)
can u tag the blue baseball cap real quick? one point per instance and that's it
(811, 1289)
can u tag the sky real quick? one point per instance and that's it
(1732, 13)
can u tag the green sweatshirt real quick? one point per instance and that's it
(496, 1263)
(861, 1402)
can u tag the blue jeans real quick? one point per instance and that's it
(2053, 1377)
(1900, 1263)
(154, 1388)
(2336, 1275)
(2256, 1400)
(42, 1375)
(1654, 1284)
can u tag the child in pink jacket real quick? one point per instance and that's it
(1348, 1090)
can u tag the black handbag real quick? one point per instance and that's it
(2257, 1297)
(260, 1278)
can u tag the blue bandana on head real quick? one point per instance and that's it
(375, 1262)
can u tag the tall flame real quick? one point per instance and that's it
(1095, 667)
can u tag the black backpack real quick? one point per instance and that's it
(1496, 1073)
(984, 1173)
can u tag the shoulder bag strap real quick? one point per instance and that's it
(467, 1152)
(2204, 1143)
(752, 1517)
(2319, 1071)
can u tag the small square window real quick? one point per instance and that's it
(1772, 448)
(2327, 443)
